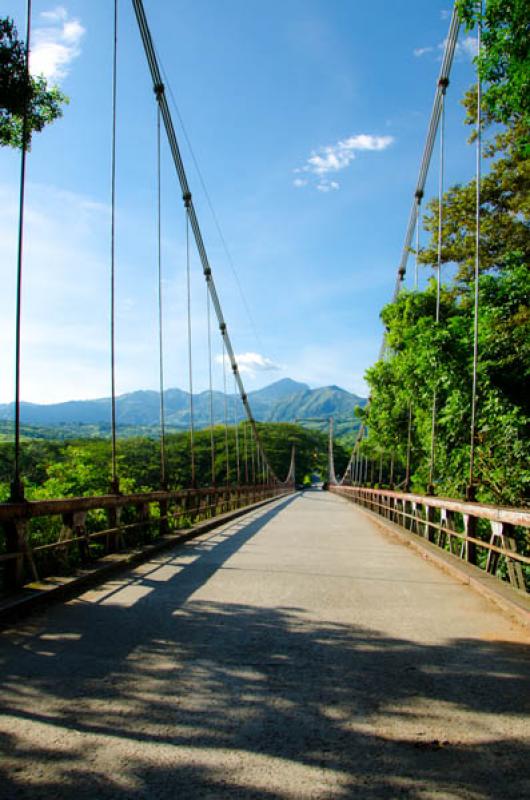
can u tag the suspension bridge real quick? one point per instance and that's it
(243, 636)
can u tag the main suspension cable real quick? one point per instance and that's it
(443, 80)
(179, 166)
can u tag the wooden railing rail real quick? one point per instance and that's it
(495, 538)
(73, 532)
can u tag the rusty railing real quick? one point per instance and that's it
(494, 538)
(41, 535)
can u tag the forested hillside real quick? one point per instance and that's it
(74, 468)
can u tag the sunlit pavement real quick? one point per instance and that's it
(294, 653)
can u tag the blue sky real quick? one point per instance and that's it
(307, 119)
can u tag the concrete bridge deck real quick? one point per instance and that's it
(295, 653)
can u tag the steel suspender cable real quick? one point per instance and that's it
(471, 488)
(190, 361)
(419, 196)
(210, 386)
(17, 489)
(225, 405)
(181, 173)
(438, 285)
(253, 463)
(114, 470)
(245, 451)
(409, 448)
(160, 308)
(236, 432)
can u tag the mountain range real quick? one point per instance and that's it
(283, 401)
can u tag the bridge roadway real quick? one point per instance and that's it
(295, 653)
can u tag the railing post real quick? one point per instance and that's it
(429, 519)
(142, 512)
(501, 536)
(470, 549)
(15, 540)
(115, 539)
(163, 525)
(73, 526)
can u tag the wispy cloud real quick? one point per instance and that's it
(56, 43)
(251, 363)
(336, 157)
(327, 186)
(466, 48)
(445, 13)
(421, 51)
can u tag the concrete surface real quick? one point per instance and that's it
(294, 653)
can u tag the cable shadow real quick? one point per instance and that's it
(175, 696)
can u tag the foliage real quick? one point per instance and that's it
(504, 60)
(82, 467)
(424, 357)
(20, 93)
(505, 214)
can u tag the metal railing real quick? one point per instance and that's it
(494, 538)
(41, 535)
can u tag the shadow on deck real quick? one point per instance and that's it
(169, 696)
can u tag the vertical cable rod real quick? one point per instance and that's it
(210, 385)
(226, 416)
(253, 463)
(471, 488)
(160, 307)
(419, 196)
(438, 283)
(236, 432)
(17, 489)
(190, 361)
(409, 448)
(114, 467)
(245, 451)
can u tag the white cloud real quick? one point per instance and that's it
(421, 51)
(251, 363)
(55, 44)
(57, 14)
(445, 13)
(467, 48)
(336, 157)
(327, 186)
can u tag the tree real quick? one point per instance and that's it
(423, 356)
(22, 93)
(504, 60)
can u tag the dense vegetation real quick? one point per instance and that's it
(82, 467)
(22, 94)
(424, 357)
